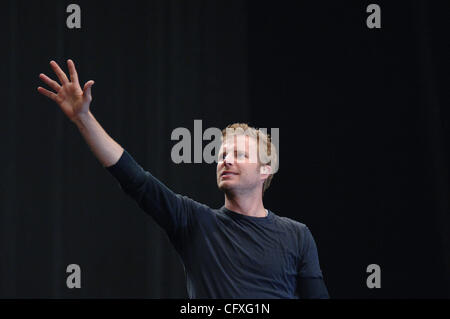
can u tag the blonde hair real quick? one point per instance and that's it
(268, 156)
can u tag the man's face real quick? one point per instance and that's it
(238, 168)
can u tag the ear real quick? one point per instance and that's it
(265, 170)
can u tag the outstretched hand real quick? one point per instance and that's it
(72, 100)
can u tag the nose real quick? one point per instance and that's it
(228, 160)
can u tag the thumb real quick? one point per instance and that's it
(87, 90)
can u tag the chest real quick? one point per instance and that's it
(246, 249)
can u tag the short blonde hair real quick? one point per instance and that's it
(269, 152)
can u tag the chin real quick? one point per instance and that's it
(224, 186)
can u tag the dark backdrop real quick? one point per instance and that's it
(362, 113)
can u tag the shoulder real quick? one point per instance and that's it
(293, 230)
(198, 212)
(290, 224)
(196, 209)
(193, 204)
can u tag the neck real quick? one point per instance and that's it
(248, 204)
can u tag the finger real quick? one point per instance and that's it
(47, 93)
(51, 83)
(88, 84)
(72, 71)
(87, 89)
(59, 73)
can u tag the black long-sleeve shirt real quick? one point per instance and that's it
(227, 254)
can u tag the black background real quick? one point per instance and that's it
(362, 113)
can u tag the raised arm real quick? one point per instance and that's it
(171, 211)
(75, 102)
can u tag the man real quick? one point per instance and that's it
(241, 250)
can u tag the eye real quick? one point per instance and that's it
(241, 155)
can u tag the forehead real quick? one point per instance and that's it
(238, 142)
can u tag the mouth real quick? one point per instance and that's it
(227, 174)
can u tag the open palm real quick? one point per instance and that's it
(72, 100)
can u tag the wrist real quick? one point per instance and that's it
(81, 119)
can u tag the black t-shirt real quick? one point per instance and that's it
(227, 254)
